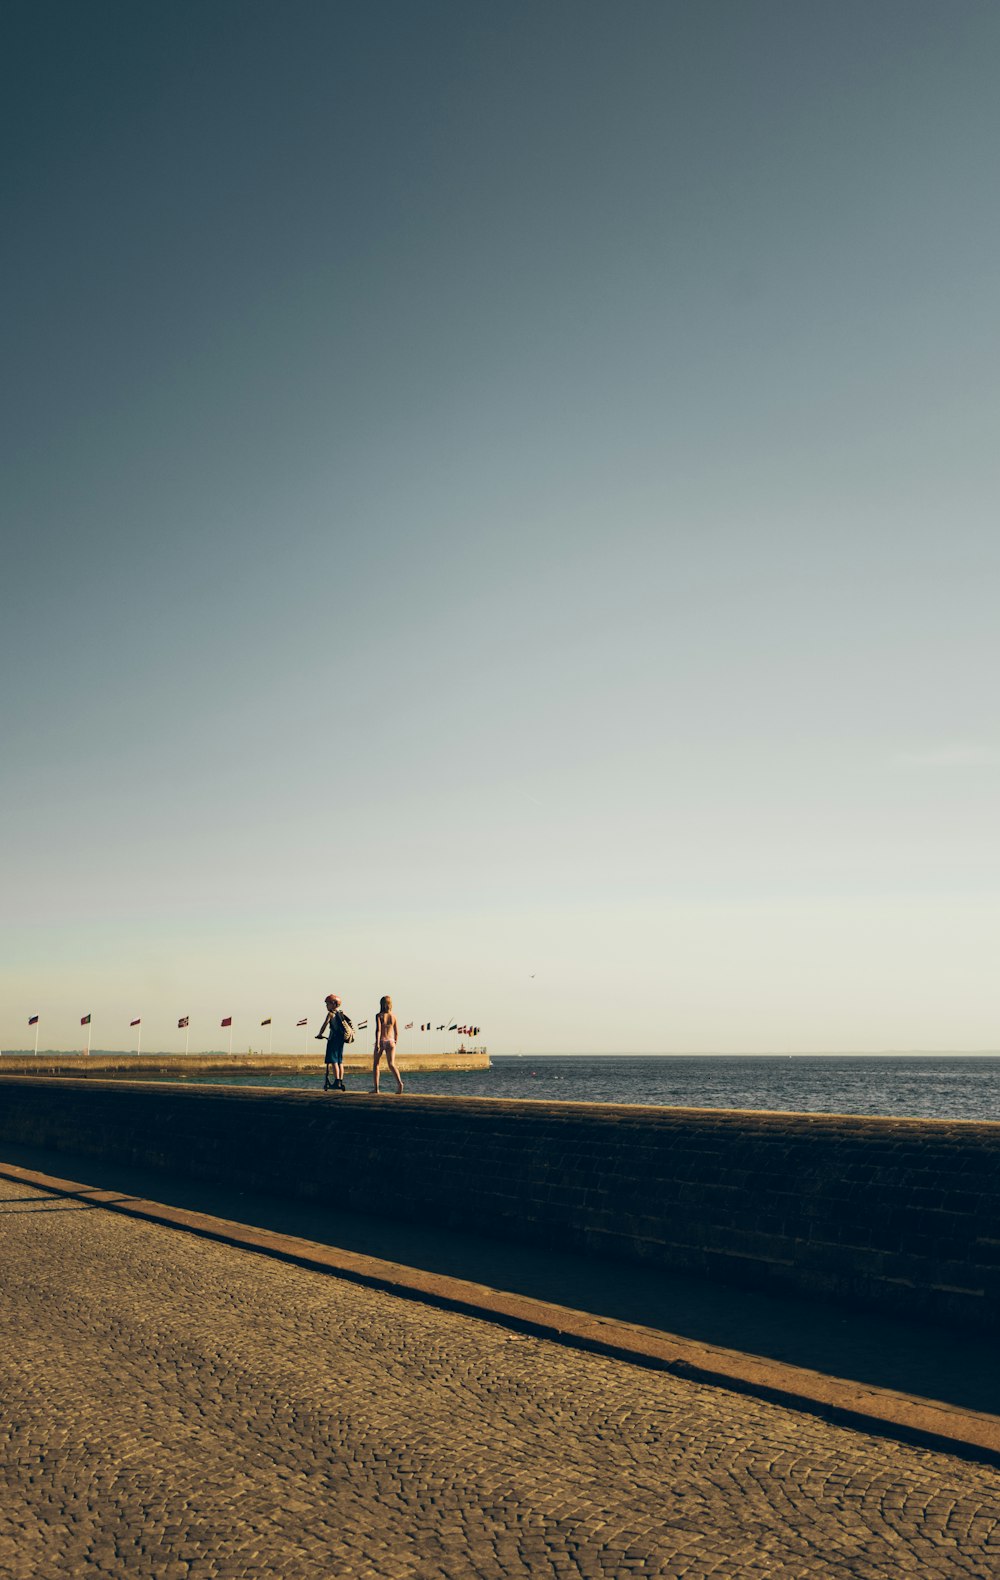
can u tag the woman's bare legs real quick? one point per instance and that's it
(391, 1060)
(376, 1058)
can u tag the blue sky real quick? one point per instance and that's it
(500, 508)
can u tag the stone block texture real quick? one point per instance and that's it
(901, 1215)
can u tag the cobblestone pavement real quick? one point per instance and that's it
(179, 1409)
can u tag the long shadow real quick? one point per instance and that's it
(76, 1206)
(884, 1351)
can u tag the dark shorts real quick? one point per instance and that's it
(335, 1053)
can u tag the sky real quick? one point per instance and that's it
(500, 508)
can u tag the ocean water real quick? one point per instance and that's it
(957, 1086)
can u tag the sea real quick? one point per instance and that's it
(917, 1086)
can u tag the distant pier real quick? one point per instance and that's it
(196, 1064)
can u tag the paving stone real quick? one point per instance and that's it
(178, 1409)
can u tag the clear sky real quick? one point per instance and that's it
(500, 507)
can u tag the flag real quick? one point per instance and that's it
(266, 1022)
(227, 1022)
(475, 1031)
(85, 1020)
(453, 1027)
(136, 1022)
(184, 1021)
(303, 1022)
(408, 1026)
(362, 1025)
(442, 1028)
(32, 1020)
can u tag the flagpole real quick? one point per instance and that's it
(138, 1041)
(88, 1036)
(230, 1038)
(270, 1034)
(36, 1039)
(187, 1034)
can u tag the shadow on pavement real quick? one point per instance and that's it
(883, 1351)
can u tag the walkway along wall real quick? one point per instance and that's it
(896, 1214)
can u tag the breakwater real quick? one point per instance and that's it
(893, 1214)
(191, 1065)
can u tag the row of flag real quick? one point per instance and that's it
(227, 1020)
(184, 1021)
(463, 1031)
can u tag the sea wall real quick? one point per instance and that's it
(900, 1215)
(191, 1065)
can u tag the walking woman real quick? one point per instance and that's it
(335, 1030)
(386, 1038)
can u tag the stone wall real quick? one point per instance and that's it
(895, 1214)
